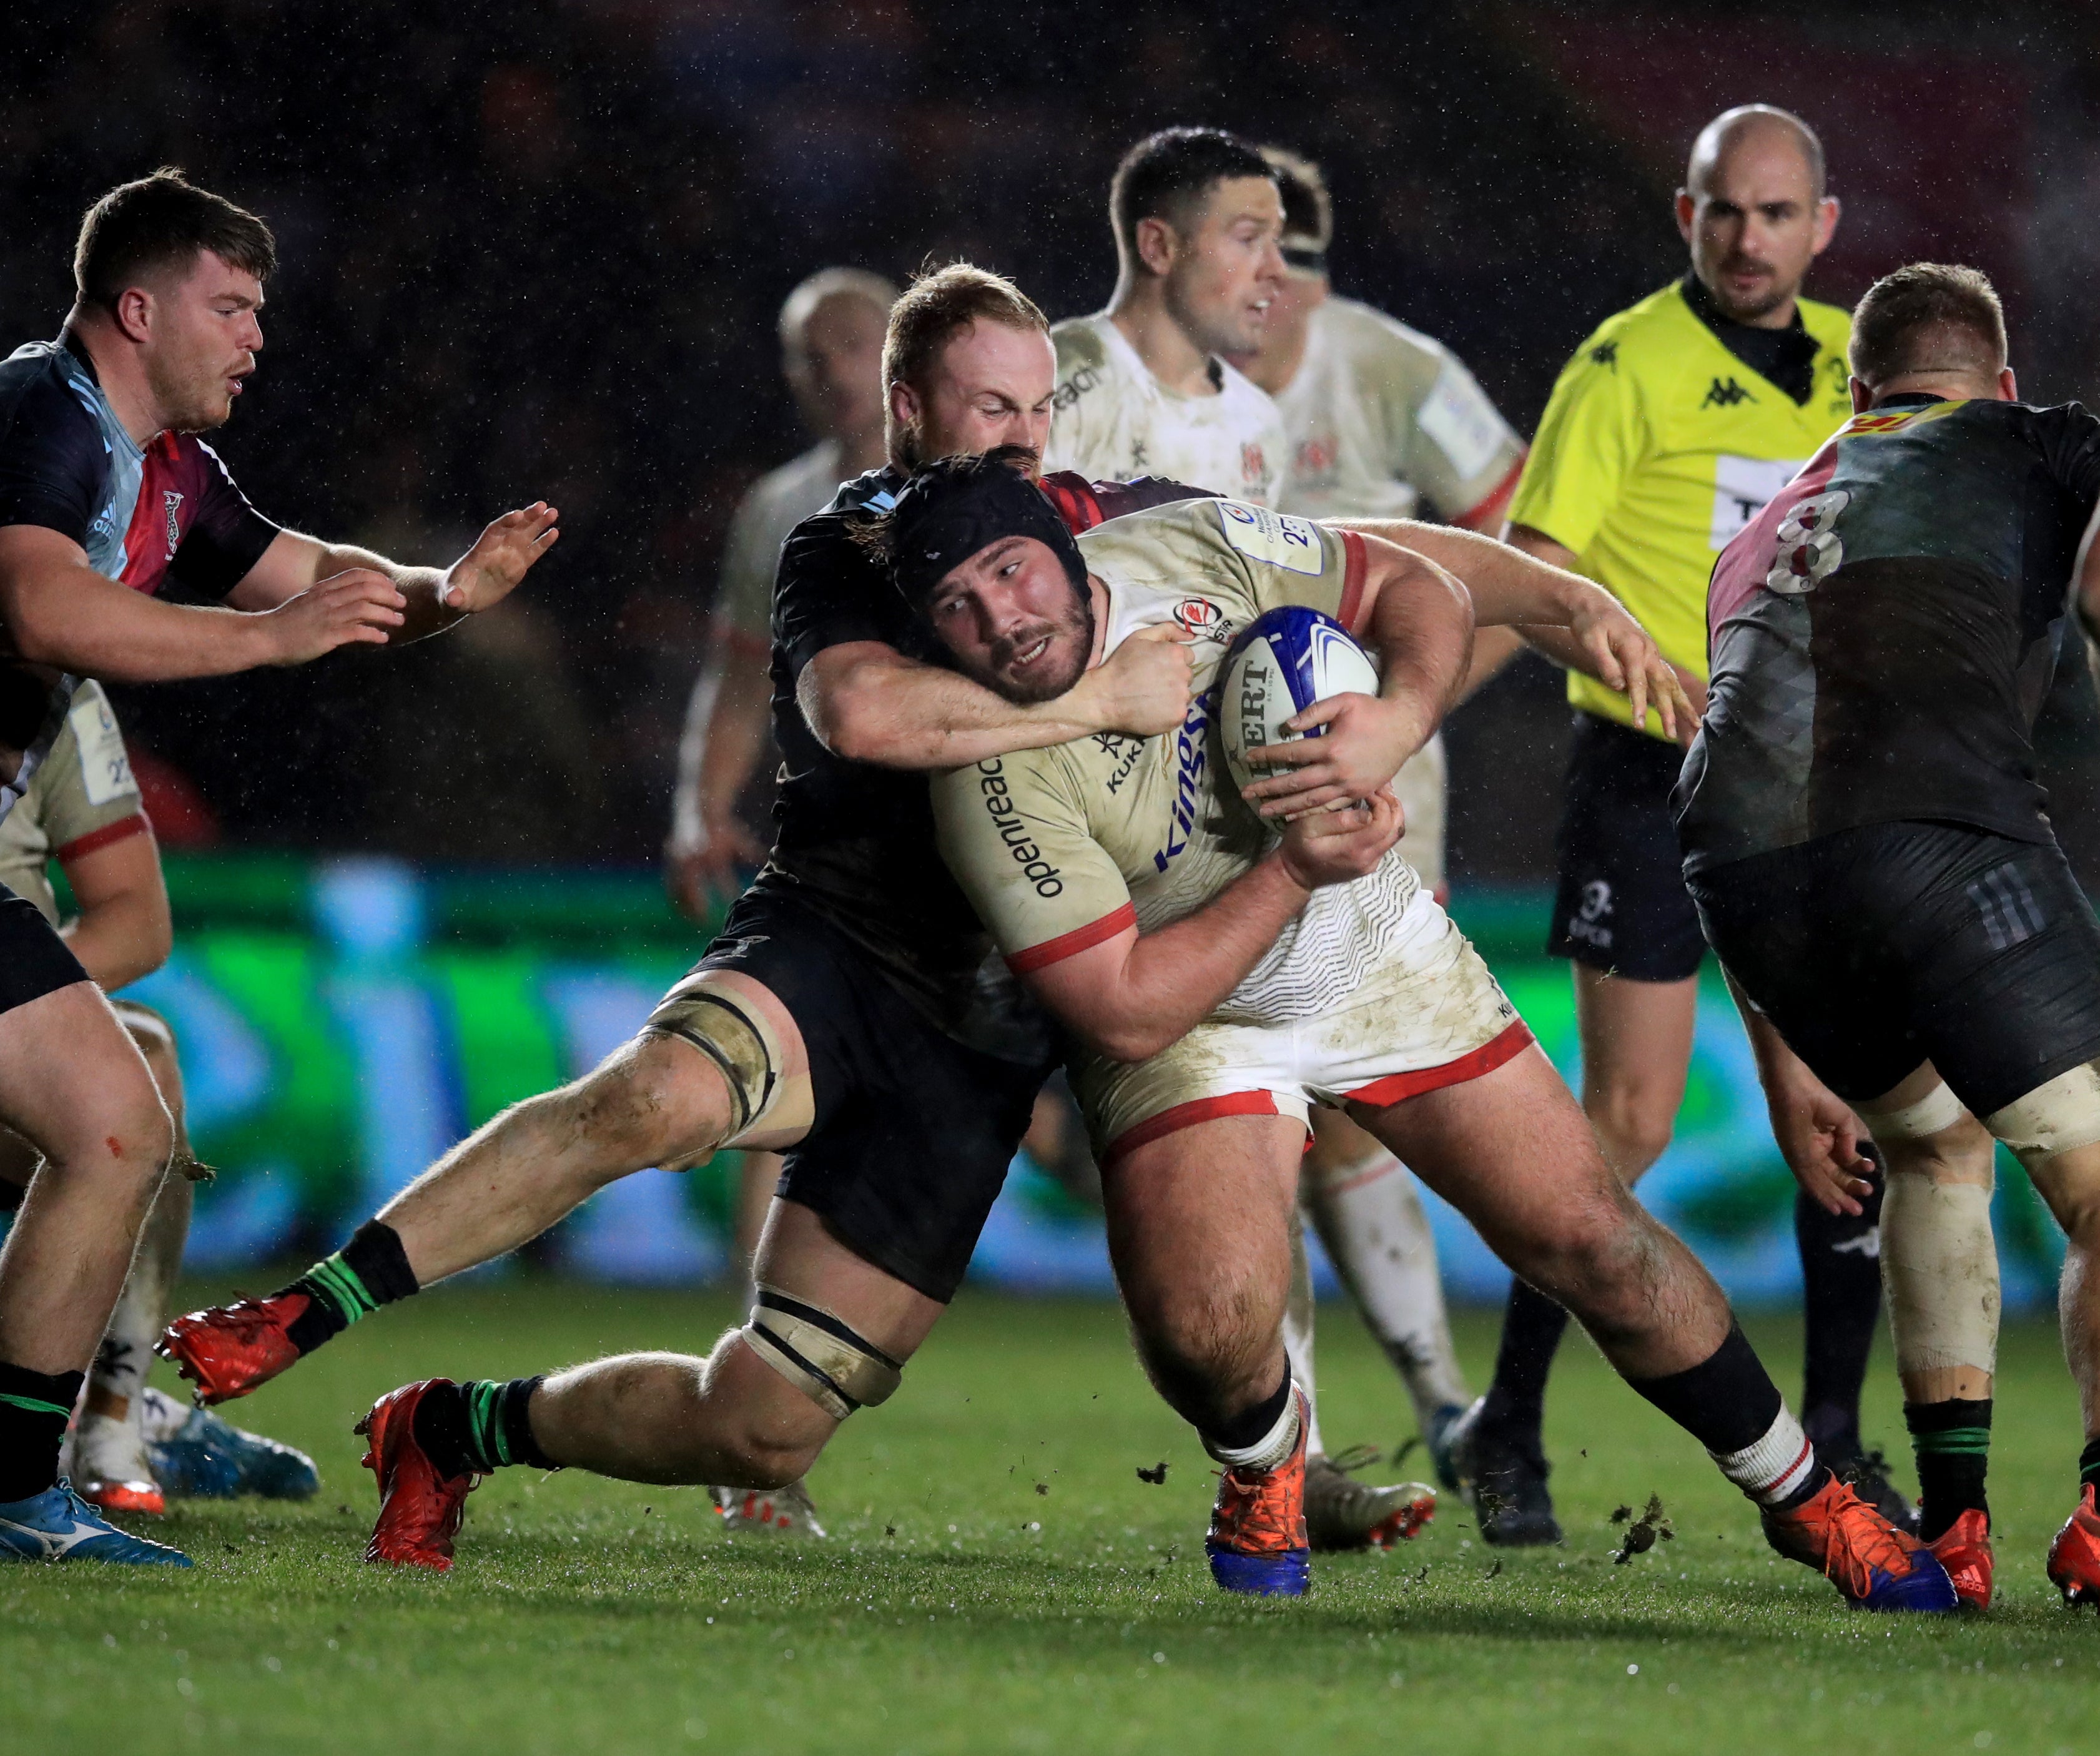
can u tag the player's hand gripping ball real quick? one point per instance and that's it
(1287, 659)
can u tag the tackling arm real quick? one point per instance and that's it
(1817, 1132)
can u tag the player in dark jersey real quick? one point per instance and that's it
(108, 500)
(1866, 842)
(844, 1017)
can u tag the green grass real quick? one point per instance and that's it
(998, 1578)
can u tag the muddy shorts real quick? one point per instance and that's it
(1431, 1016)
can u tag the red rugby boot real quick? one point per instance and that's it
(1257, 1542)
(1964, 1549)
(1874, 1565)
(2074, 1558)
(419, 1509)
(228, 1351)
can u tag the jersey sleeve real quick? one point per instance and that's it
(88, 798)
(1275, 558)
(831, 591)
(1463, 454)
(2070, 441)
(743, 597)
(1014, 834)
(54, 466)
(227, 536)
(1587, 443)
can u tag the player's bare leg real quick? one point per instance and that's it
(831, 1333)
(1511, 1150)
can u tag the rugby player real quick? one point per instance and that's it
(1867, 847)
(1214, 1000)
(1380, 420)
(831, 327)
(107, 497)
(849, 1016)
(1673, 423)
(129, 1446)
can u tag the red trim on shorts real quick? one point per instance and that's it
(107, 835)
(1071, 944)
(1355, 564)
(1497, 503)
(1396, 1087)
(1187, 1116)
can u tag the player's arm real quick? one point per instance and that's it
(1416, 617)
(124, 930)
(1817, 1132)
(431, 599)
(58, 611)
(723, 741)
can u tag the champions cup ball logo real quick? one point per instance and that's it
(1201, 617)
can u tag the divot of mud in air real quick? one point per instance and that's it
(1642, 1533)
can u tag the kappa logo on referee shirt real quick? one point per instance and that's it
(1726, 394)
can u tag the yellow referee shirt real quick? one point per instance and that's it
(1658, 446)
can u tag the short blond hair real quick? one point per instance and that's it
(936, 307)
(1936, 317)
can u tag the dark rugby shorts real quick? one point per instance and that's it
(1875, 949)
(1620, 905)
(34, 960)
(913, 1132)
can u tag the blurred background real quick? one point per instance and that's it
(536, 251)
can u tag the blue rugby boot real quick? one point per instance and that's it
(58, 1526)
(1874, 1565)
(197, 1455)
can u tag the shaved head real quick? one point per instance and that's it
(1753, 124)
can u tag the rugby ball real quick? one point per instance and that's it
(1286, 661)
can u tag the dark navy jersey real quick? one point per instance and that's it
(168, 514)
(1882, 635)
(854, 842)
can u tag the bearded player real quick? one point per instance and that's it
(1214, 1001)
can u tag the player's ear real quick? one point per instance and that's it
(1826, 223)
(133, 312)
(1156, 244)
(1686, 208)
(1863, 399)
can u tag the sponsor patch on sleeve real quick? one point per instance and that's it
(1462, 422)
(105, 769)
(1274, 537)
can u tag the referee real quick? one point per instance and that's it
(1673, 425)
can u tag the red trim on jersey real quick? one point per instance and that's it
(1187, 1116)
(1396, 1087)
(1071, 944)
(109, 836)
(1497, 502)
(1073, 497)
(1355, 563)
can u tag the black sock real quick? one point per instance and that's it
(478, 1427)
(1726, 1402)
(2088, 1465)
(34, 1408)
(1533, 1325)
(1251, 1426)
(1953, 1441)
(369, 1271)
(1840, 1274)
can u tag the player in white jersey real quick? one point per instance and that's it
(1143, 388)
(1381, 421)
(1218, 988)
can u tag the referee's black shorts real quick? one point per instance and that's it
(1875, 949)
(34, 960)
(913, 1132)
(1620, 905)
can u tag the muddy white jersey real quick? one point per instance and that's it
(1114, 421)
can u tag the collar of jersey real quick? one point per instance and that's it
(88, 383)
(1700, 298)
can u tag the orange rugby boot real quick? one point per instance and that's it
(1874, 1565)
(1964, 1549)
(1257, 1542)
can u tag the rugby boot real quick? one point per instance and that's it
(1874, 1565)
(1504, 1479)
(230, 1350)
(1343, 1513)
(1258, 1541)
(2074, 1558)
(1866, 1474)
(1443, 1424)
(1964, 1549)
(420, 1509)
(106, 1460)
(58, 1526)
(786, 1511)
(197, 1455)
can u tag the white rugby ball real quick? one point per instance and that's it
(1288, 660)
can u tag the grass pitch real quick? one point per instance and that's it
(999, 1578)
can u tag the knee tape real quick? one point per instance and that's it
(1939, 1263)
(1938, 1109)
(2058, 1117)
(819, 1353)
(733, 1034)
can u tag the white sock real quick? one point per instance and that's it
(1776, 1465)
(1298, 1335)
(1266, 1451)
(1370, 1219)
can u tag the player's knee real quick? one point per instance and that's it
(1633, 1122)
(2055, 1132)
(815, 1353)
(646, 1106)
(1211, 1344)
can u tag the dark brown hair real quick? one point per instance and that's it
(1928, 317)
(938, 307)
(1167, 176)
(1308, 210)
(158, 223)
